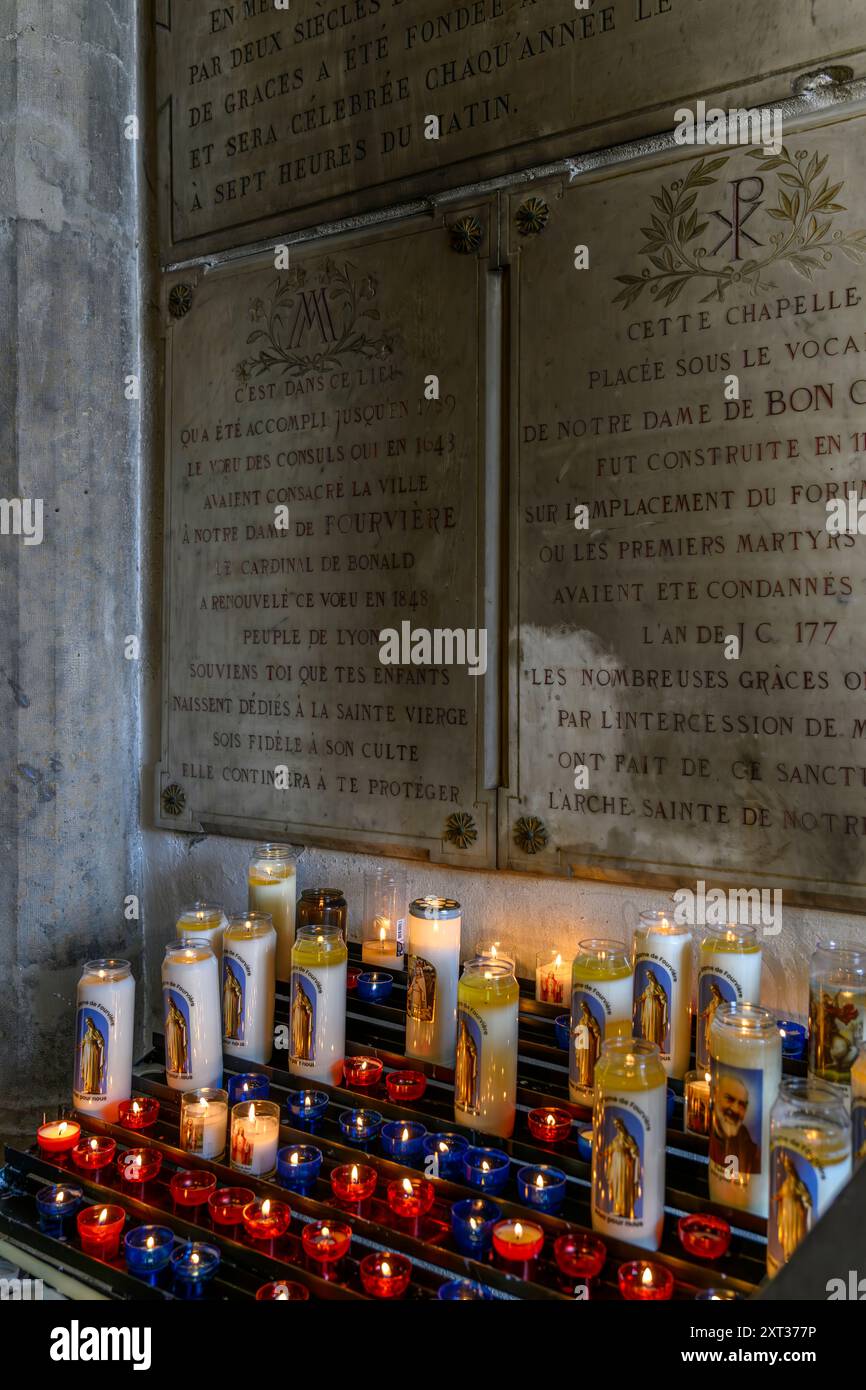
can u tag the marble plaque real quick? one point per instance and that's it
(274, 117)
(325, 478)
(689, 674)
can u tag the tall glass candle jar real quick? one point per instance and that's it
(249, 987)
(729, 970)
(837, 1006)
(628, 1150)
(385, 899)
(485, 1077)
(602, 984)
(745, 1073)
(433, 974)
(205, 921)
(663, 988)
(317, 1036)
(858, 1107)
(255, 1137)
(271, 888)
(104, 1037)
(810, 1161)
(193, 1026)
(317, 905)
(204, 1117)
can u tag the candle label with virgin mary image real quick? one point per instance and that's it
(715, 987)
(421, 990)
(178, 1056)
(652, 1003)
(467, 1071)
(93, 1040)
(589, 1011)
(802, 1189)
(304, 992)
(234, 999)
(628, 1166)
(736, 1129)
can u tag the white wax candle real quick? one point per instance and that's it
(602, 985)
(663, 974)
(272, 888)
(433, 974)
(553, 979)
(105, 1035)
(204, 922)
(385, 949)
(249, 987)
(810, 1164)
(729, 969)
(317, 1036)
(255, 1140)
(485, 1075)
(745, 1071)
(193, 1026)
(203, 1127)
(628, 1150)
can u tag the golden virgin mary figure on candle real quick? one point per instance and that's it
(653, 1010)
(302, 1025)
(716, 998)
(794, 1208)
(232, 1003)
(92, 1063)
(622, 1182)
(587, 1045)
(176, 1040)
(466, 1070)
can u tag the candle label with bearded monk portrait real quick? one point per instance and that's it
(104, 1037)
(601, 1007)
(837, 1009)
(745, 1072)
(485, 1075)
(810, 1161)
(317, 1040)
(628, 1149)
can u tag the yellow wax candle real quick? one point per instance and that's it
(485, 1076)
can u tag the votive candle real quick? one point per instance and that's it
(472, 1222)
(306, 1109)
(57, 1137)
(147, 1250)
(354, 1182)
(298, 1167)
(385, 1274)
(284, 1291)
(227, 1205)
(325, 1243)
(487, 1169)
(99, 1230)
(56, 1205)
(94, 1153)
(204, 1117)
(444, 1154)
(255, 1137)
(641, 1282)
(139, 1113)
(663, 951)
(362, 1072)
(266, 1220)
(550, 1125)
(518, 1244)
(360, 1127)
(405, 1086)
(542, 1187)
(138, 1166)
(193, 1266)
(248, 1085)
(403, 1139)
(192, 1187)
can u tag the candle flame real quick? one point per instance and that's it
(407, 1186)
(61, 1196)
(558, 960)
(308, 1100)
(405, 1135)
(137, 1160)
(518, 1229)
(62, 1129)
(150, 1242)
(252, 1111)
(473, 1224)
(194, 1257)
(443, 1147)
(101, 974)
(294, 1158)
(353, 1176)
(539, 1181)
(282, 1293)
(94, 1144)
(647, 1276)
(325, 1232)
(707, 1077)
(382, 934)
(245, 1087)
(551, 1120)
(135, 1107)
(204, 1104)
(386, 1269)
(266, 1207)
(103, 1217)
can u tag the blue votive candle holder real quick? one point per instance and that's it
(250, 1085)
(57, 1205)
(360, 1127)
(670, 1101)
(449, 1150)
(404, 1140)
(306, 1109)
(472, 1222)
(487, 1169)
(542, 1187)
(794, 1039)
(193, 1265)
(463, 1289)
(298, 1167)
(562, 1027)
(375, 986)
(148, 1250)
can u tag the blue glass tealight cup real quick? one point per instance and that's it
(374, 986)
(794, 1039)
(542, 1187)
(463, 1290)
(404, 1140)
(472, 1222)
(148, 1250)
(671, 1101)
(193, 1265)
(449, 1150)
(360, 1127)
(486, 1169)
(56, 1206)
(250, 1085)
(584, 1143)
(306, 1109)
(562, 1027)
(298, 1167)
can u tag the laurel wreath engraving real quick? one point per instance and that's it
(350, 298)
(805, 209)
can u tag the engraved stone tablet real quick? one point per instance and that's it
(691, 683)
(323, 486)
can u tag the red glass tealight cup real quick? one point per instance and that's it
(704, 1236)
(640, 1281)
(550, 1125)
(354, 1182)
(385, 1274)
(325, 1243)
(57, 1137)
(266, 1220)
(362, 1071)
(192, 1187)
(139, 1113)
(100, 1229)
(580, 1256)
(518, 1244)
(227, 1205)
(137, 1166)
(286, 1291)
(405, 1085)
(410, 1198)
(94, 1152)
(352, 973)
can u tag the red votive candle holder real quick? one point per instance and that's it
(227, 1205)
(137, 1166)
(325, 1243)
(354, 1182)
(362, 1071)
(642, 1282)
(550, 1125)
(139, 1113)
(352, 973)
(385, 1275)
(705, 1237)
(267, 1220)
(100, 1229)
(410, 1198)
(94, 1153)
(518, 1244)
(579, 1256)
(58, 1136)
(405, 1085)
(287, 1291)
(192, 1187)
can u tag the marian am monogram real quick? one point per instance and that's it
(312, 319)
(731, 243)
